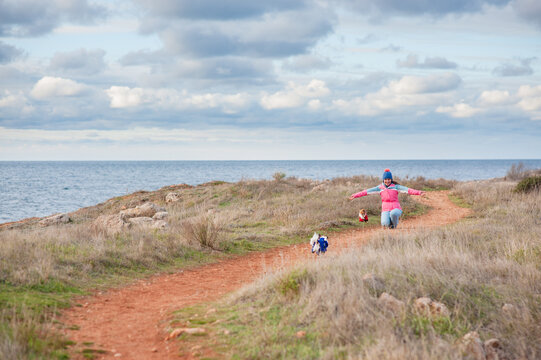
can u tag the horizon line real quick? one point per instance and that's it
(149, 160)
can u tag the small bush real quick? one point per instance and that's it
(529, 184)
(203, 231)
(278, 176)
(516, 172)
(289, 285)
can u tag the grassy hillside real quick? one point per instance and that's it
(486, 270)
(42, 268)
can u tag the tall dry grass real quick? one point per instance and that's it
(209, 216)
(27, 335)
(37, 264)
(474, 267)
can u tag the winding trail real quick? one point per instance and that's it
(129, 322)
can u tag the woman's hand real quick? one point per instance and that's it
(352, 197)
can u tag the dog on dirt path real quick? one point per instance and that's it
(319, 244)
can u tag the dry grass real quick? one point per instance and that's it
(44, 267)
(421, 183)
(29, 336)
(204, 231)
(215, 216)
(474, 267)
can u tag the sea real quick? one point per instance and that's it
(41, 188)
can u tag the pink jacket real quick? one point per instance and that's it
(389, 195)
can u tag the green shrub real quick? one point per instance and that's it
(278, 176)
(289, 285)
(529, 184)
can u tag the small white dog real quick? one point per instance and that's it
(319, 243)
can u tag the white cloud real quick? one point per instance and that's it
(125, 97)
(16, 101)
(428, 84)
(281, 100)
(461, 110)
(530, 97)
(294, 95)
(316, 88)
(314, 104)
(49, 87)
(228, 103)
(10, 100)
(408, 92)
(494, 98)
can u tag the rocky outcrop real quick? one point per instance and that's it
(55, 220)
(159, 224)
(391, 303)
(494, 350)
(428, 307)
(472, 346)
(374, 283)
(141, 221)
(148, 215)
(148, 222)
(179, 331)
(162, 215)
(146, 210)
(111, 224)
(172, 197)
(509, 310)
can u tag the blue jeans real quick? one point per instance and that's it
(390, 216)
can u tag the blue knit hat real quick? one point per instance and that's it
(387, 174)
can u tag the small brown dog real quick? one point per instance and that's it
(363, 216)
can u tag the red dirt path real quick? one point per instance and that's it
(129, 322)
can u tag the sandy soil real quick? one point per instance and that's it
(130, 322)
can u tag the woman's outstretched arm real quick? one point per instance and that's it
(373, 190)
(409, 191)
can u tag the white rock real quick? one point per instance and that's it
(159, 224)
(172, 197)
(427, 306)
(374, 282)
(391, 303)
(471, 345)
(160, 215)
(422, 305)
(141, 221)
(145, 210)
(179, 331)
(493, 350)
(320, 187)
(111, 223)
(439, 309)
(509, 309)
(55, 220)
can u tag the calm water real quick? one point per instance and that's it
(42, 188)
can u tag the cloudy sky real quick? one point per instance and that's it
(282, 79)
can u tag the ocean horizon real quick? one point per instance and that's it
(41, 188)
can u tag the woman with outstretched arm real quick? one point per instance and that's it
(388, 190)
